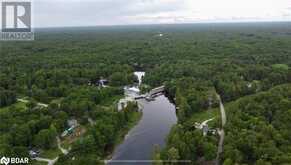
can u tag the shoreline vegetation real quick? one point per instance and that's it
(122, 135)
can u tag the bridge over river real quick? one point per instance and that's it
(152, 93)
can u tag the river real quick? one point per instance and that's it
(137, 148)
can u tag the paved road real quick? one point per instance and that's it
(221, 131)
(221, 140)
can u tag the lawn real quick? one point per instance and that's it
(65, 144)
(71, 138)
(205, 115)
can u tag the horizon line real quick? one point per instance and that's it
(153, 24)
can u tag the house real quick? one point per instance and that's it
(98, 82)
(205, 129)
(68, 131)
(73, 123)
(65, 133)
(103, 82)
(33, 153)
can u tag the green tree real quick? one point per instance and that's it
(46, 138)
(209, 151)
(173, 155)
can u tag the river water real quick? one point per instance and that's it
(138, 146)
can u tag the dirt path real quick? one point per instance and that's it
(206, 121)
(49, 161)
(221, 131)
(26, 101)
(64, 151)
(53, 161)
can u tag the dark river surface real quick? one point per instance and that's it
(138, 146)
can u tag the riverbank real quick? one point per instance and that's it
(124, 133)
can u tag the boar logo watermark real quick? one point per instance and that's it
(16, 21)
(12, 160)
(4, 160)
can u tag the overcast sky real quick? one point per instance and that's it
(51, 13)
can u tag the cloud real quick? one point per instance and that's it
(114, 12)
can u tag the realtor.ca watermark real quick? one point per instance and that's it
(16, 21)
(14, 160)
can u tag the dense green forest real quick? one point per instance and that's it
(244, 63)
(258, 128)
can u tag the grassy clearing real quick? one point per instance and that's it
(65, 144)
(205, 115)
(79, 132)
(50, 154)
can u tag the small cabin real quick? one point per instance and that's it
(73, 123)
